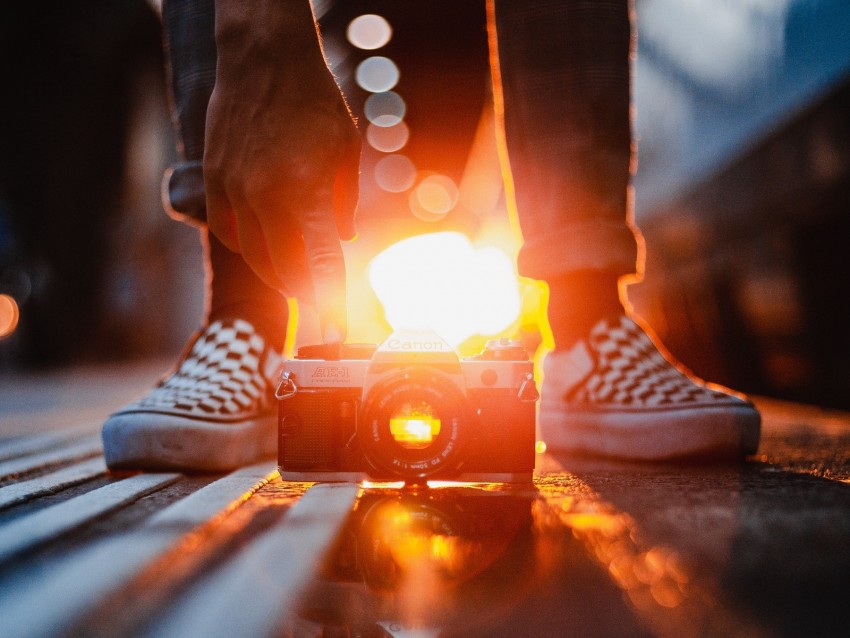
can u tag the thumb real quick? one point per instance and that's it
(221, 219)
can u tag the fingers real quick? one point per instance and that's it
(286, 217)
(326, 263)
(272, 246)
(291, 250)
(316, 260)
(346, 192)
(255, 251)
(220, 218)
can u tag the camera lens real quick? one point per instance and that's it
(412, 424)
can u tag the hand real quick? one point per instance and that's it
(282, 154)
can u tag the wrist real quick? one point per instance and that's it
(266, 33)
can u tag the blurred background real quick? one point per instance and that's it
(742, 191)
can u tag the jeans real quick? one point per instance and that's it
(563, 83)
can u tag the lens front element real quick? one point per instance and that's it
(414, 425)
(411, 424)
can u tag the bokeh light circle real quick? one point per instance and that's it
(369, 32)
(395, 173)
(434, 197)
(385, 109)
(377, 74)
(9, 315)
(387, 139)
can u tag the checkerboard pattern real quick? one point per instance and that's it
(631, 371)
(220, 379)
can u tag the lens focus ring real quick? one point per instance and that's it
(405, 393)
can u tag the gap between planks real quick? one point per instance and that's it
(77, 582)
(39, 527)
(85, 448)
(66, 477)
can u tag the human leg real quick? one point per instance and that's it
(216, 412)
(562, 86)
(232, 287)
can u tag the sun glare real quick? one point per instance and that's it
(441, 282)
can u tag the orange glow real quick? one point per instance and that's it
(420, 548)
(435, 485)
(414, 426)
(441, 282)
(9, 315)
(381, 485)
(654, 579)
(481, 185)
(416, 283)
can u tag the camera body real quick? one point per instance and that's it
(409, 409)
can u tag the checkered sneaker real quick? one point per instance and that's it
(630, 370)
(221, 378)
(616, 393)
(214, 414)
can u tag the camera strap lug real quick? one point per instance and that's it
(528, 390)
(286, 388)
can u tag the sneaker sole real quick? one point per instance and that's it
(678, 433)
(150, 441)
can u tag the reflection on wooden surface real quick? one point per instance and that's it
(590, 548)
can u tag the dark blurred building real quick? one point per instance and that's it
(85, 249)
(748, 271)
(744, 192)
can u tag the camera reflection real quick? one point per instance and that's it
(420, 563)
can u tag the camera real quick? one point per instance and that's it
(409, 409)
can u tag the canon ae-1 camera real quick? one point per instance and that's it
(408, 409)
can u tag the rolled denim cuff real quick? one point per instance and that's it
(183, 192)
(594, 245)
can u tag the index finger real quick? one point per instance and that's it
(326, 264)
(322, 262)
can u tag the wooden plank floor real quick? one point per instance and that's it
(592, 548)
(81, 579)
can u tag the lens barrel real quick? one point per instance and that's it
(412, 386)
